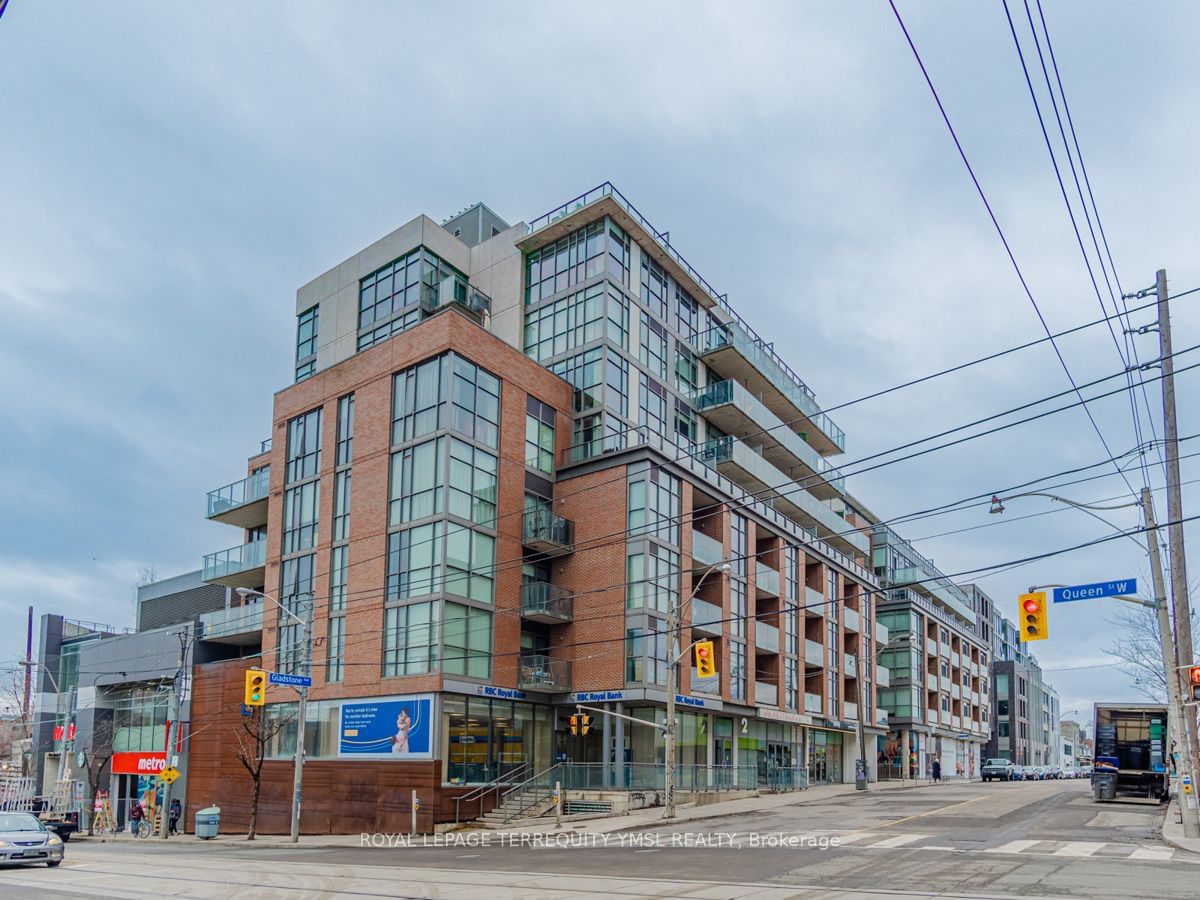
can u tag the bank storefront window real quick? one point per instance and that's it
(824, 757)
(484, 739)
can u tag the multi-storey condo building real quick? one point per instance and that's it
(508, 452)
(938, 698)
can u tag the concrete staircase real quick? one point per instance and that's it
(530, 799)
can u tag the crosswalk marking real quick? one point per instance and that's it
(1012, 847)
(1150, 853)
(900, 840)
(855, 837)
(1078, 848)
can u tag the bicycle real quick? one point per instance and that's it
(143, 829)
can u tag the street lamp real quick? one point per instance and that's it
(1171, 668)
(673, 657)
(301, 710)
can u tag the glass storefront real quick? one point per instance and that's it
(824, 757)
(484, 739)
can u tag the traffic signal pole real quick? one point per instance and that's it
(1190, 816)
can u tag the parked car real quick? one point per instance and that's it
(1069, 772)
(1020, 773)
(1054, 772)
(24, 839)
(998, 769)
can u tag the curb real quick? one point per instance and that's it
(1175, 838)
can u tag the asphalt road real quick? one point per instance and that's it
(959, 840)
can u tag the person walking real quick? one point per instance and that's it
(937, 769)
(173, 818)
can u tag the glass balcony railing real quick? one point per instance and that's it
(547, 531)
(248, 490)
(761, 356)
(538, 672)
(705, 615)
(812, 704)
(851, 711)
(454, 291)
(814, 653)
(231, 622)
(766, 637)
(851, 619)
(705, 550)
(235, 561)
(544, 602)
(766, 579)
(883, 676)
(851, 666)
(766, 694)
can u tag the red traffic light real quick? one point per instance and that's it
(702, 651)
(1194, 674)
(1031, 606)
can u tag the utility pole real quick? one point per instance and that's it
(67, 742)
(1191, 822)
(1179, 580)
(297, 784)
(172, 736)
(669, 734)
(862, 746)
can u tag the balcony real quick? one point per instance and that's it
(814, 603)
(453, 292)
(814, 654)
(851, 666)
(751, 471)
(931, 646)
(812, 704)
(241, 566)
(766, 637)
(955, 692)
(243, 503)
(538, 672)
(705, 550)
(851, 711)
(931, 682)
(548, 533)
(945, 717)
(766, 694)
(883, 676)
(706, 617)
(238, 625)
(931, 716)
(851, 619)
(881, 717)
(732, 351)
(733, 409)
(881, 635)
(944, 683)
(546, 603)
(766, 580)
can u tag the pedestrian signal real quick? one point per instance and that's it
(1194, 683)
(1032, 616)
(256, 687)
(706, 663)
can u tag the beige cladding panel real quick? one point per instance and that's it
(496, 269)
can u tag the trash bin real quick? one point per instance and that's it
(1104, 785)
(208, 821)
(860, 776)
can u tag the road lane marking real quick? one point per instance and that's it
(1151, 853)
(931, 812)
(1012, 847)
(856, 836)
(1078, 848)
(900, 840)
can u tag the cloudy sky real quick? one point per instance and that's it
(171, 173)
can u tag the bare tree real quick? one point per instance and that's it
(252, 738)
(96, 760)
(18, 717)
(1139, 648)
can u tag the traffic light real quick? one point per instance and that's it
(706, 663)
(256, 687)
(574, 720)
(585, 723)
(1194, 683)
(1032, 616)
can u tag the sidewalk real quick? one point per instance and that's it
(637, 820)
(1172, 831)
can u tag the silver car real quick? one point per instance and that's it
(24, 839)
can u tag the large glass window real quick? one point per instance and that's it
(567, 262)
(467, 641)
(295, 597)
(300, 505)
(417, 482)
(472, 483)
(341, 506)
(652, 402)
(446, 392)
(410, 639)
(335, 643)
(539, 435)
(646, 650)
(470, 563)
(415, 561)
(652, 576)
(390, 298)
(306, 343)
(140, 717)
(654, 293)
(687, 370)
(304, 446)
(345, 430)
(618, 254)
(654, 502)
(737, 670)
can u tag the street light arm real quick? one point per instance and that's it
(250, 592)
(998, 507)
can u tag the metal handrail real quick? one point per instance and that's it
(524, 787)
(495, 784)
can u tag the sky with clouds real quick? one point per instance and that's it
(171, 173)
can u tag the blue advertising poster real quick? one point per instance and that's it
(387, 728)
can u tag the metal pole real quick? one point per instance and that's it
(67, 745)
(862, 741)
(558, 804)
(414, 805)
(1191, 824)
(669, 735)
(297, 784)
(1179, 579)
(172, 741)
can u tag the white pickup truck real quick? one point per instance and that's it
(999, 769)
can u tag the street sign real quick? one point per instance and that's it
(169, 774)
(289, 680)
(1125, 588)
